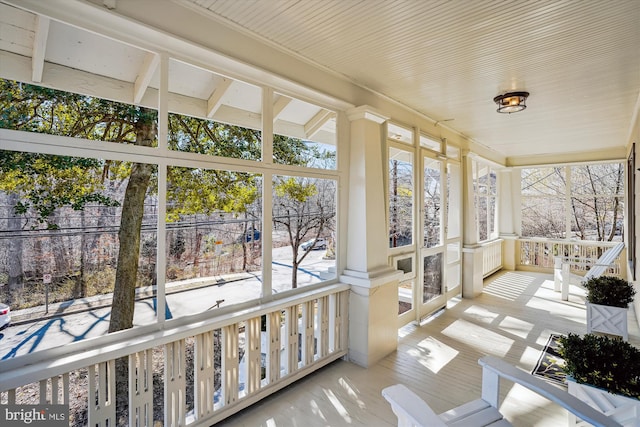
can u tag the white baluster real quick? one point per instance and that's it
(323, 331)
(11, 396)
(204, 374)
(174, 384)
(308, 332)
(141, 389)
(102, 390)
(273, 352)
(43, 392)
(291, 332)
(230, 361)
(252, 355)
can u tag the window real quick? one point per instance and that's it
(433, 277)
(214, 223)
(430, 143)
(79, 216)
(400, 197)
(304, 231)
(631, 209)
(576, 202)
(454, 194)
(597, 202)
(304, 134)
(485, 191)
(432, 202)
(399, 133)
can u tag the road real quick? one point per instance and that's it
(60, 329)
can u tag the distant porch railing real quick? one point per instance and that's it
(192, 374)
(537, 254)
(491, 257)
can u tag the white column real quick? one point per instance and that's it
(509, 215)
(373, 304)
(471, 252)
(568, 220)
(267, 192)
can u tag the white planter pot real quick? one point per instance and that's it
(625, 410)
(607, 319)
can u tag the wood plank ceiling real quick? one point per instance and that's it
(580, 59)
(448, 59)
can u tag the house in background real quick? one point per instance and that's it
(426, 182)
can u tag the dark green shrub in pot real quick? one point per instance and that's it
(609, 290)
(603, 362)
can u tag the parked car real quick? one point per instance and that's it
(320, 243)
(5, 315)
(252, 235)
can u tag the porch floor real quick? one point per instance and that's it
(512, 320)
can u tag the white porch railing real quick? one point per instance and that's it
(491, 257)
(538, 254)
(205, 370)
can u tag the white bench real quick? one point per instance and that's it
(562, 268)
(413, 411)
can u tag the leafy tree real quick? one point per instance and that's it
(50, 182)
(46, 183)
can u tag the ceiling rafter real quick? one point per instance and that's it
(151, 61)
(280, 105)
(315, 124)
(39, 47)
(215, 100)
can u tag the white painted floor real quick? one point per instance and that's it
(512, 319)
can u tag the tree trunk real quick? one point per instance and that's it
(82, 280)
(129, 235)
(16, 273)
(294, 273)
(124, 292)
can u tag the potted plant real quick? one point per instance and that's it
(604, 372)
(608, 299)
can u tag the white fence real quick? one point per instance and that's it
(205, 370)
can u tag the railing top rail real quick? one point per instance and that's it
(56, 361)
(554, 394)
(570, 242)
(491, 242)
(483, 244)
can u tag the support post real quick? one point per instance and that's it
(471, 253)
(373, 305)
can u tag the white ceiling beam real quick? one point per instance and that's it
(151, 61)
(280, 105)
(317, 121)
(18, 67)
(215, 100)
(39, 47)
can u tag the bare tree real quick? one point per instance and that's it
(305, 207)
(595, 201)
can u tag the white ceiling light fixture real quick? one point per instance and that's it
(511, 102)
